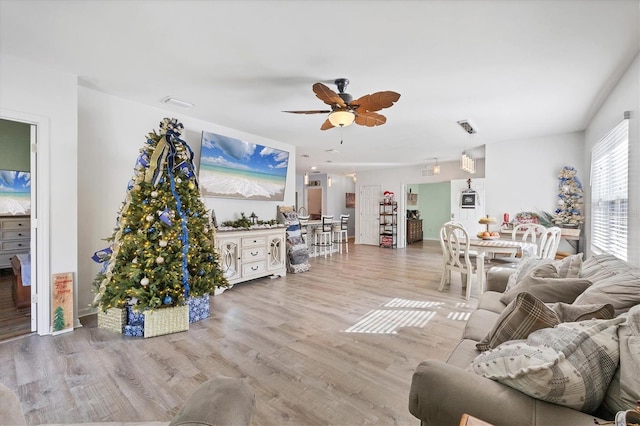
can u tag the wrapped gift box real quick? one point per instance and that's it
(199, 308)
(133, 317)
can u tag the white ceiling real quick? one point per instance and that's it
(515, 69)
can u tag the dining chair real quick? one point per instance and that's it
(526, 232)
(548, 246)
(322, 236)
(340, 232)
(454, 240)
(304, 221)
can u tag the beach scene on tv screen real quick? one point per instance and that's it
(233, 168)
(15, 192)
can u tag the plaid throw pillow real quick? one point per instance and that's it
(524, 315)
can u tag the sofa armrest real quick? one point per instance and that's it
(440, 393)
(497, 277)
(218, 401)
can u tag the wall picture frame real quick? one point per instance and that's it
(350, 200)
(468, 200)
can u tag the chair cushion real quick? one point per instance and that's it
(524, 315)
(546, 284)
(571, 364)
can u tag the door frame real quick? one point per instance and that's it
(41, 291)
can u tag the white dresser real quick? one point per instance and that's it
(15, 237)
(250, 254)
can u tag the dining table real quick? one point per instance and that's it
(487, 247)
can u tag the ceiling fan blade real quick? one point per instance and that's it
(370, 119)
(376, 101)
(314, 111)
(327, 95)
(326, 125)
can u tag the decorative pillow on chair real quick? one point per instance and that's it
(571, 364)
(520, 318)
(570, 266)
(545, 283)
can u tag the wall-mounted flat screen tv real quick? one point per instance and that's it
(15, 193)
(233, 168)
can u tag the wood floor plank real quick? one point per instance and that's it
(336, 345)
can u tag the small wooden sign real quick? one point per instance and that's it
(62, 306)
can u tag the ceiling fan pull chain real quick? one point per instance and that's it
(341, 127)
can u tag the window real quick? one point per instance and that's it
(609, 192)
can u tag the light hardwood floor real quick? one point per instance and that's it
(288, 337)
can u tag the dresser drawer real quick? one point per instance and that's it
(15, 223)
(5, 258)
(254, 241)
(255, 268)
(254, 253)
(14, 245)
(15, 234)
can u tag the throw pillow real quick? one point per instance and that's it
(545, 283)
(625, 386)
(570, 266)
(622, 291)
(525, 265)
(574, 313)
(571, 364)
(520, 318)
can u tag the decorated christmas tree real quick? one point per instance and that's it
(569, 213)
(161, 251)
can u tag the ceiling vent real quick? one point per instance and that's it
(467, 127)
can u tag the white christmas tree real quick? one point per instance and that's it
(569, 211)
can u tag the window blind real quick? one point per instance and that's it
(609, 192)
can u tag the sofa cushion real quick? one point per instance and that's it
(603, 266)
(464, 353)
(490, 301)
(571, 364)
(625, 386)
(546, 284)
(574, 313)
(479, 324)
(524, 315)
(621, 290)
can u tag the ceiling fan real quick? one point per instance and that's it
(344, 110)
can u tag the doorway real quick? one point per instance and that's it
(17, 202)
(314, 203)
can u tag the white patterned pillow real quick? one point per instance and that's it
(571, 364)
(526, 264)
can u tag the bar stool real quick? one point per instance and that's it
(322, 240)
(304, 221)
(340, 232)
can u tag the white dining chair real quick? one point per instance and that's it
(454, 240)
(548, 246)
(526, 232)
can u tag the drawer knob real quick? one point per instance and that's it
(19, 235)
(254, 253)
(254, 268)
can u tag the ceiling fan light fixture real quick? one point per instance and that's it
(341, 118)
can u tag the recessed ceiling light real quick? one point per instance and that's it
(328, 161)
(178, 102)
(314, 167)
(332, 151)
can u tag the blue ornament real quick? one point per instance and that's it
(210, 257)
(145, 201)
(151, 230)
(167, 300)
(201, 272)
(127, 230)
(195, 214)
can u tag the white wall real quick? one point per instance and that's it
(48, 98)
(523, 175)
(624, 97)
(111, 132)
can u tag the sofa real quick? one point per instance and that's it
(218, 401)
(514, 379)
